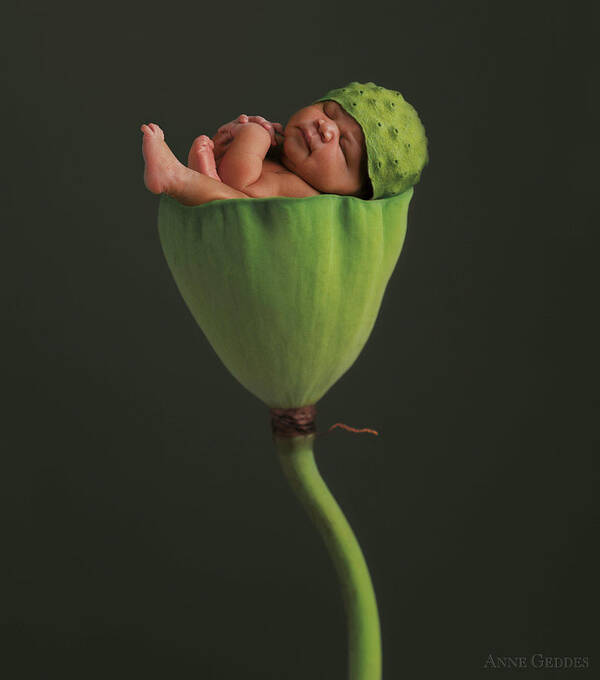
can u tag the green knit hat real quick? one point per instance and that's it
(394, 135)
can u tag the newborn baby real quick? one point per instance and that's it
(323, 149)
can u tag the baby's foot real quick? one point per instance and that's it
(202, 158)
(161, 164)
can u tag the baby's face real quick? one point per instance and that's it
(325, 146)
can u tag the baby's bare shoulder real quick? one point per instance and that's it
(277, 180)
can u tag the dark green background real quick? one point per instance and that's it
(146, 529)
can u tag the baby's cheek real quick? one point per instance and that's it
(337, 175)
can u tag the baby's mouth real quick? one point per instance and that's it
(306, 138)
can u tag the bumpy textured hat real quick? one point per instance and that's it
(394, 135)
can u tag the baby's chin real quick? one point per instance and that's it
(285, 161)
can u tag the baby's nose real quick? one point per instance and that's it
(326, 130)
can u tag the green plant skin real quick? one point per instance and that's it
(364, 637)
(286, 290)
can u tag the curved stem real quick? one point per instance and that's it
(364, 638)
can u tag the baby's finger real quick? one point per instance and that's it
(278, 126)
(242, 118)
(259, 120)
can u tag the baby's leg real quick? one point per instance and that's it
(202, 157)
(164, 174)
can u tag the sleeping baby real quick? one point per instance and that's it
(361, 140)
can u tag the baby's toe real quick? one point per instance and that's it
(157, 130)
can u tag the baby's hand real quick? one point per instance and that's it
(272, 128)
(227, 132)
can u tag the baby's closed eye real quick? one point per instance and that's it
(330, 109)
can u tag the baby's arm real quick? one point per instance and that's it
(242, 162)
(224, 135)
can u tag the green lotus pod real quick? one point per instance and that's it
(286, 290)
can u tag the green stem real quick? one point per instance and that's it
(364, 639)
